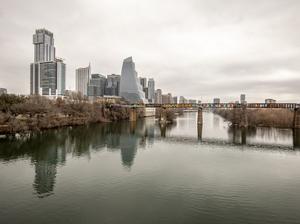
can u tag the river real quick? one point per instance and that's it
(142, 173)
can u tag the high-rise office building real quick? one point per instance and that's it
(113, 85)
(167, 98)
(151, 91)
(243, 99)
(82, 79)
(96, 85)
(130, 87)
(216, 100)
(158, 96)
(146, 92)
(182, 99)
(175, 99)
(143, 82)
(3, 91)
(47, 73)
(191, 101)
(44, 49)
(170, 98)
(270, 101)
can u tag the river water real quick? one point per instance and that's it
(143, 173)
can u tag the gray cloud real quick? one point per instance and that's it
(197, 48)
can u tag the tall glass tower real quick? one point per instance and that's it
(44, 49)
(47, 73)
(130, 87)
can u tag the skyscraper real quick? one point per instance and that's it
(182, 99)
(170, 98)
(47, 73)
(216, 100)
(151, 91)
(113, 85)
(44, 49)
(143, 82)
(243, 99)
(191, 101)
(167, 98)
(82, 79)
(158, 96)
(3, 91)
(97, 85)
(130, 87)
(175, 99)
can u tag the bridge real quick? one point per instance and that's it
(240, 115)
(227, 105)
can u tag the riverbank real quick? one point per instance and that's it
(22, 114)
(278, 118)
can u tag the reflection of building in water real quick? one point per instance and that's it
(199, 131)
(129, 144)
(244, 135)
(45, 170)
(129, 141)
(216, 121)
(163, 130)
(150, 130)
(44, 181)
(235, 134)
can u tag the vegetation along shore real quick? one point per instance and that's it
(21, 114)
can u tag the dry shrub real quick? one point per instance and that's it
(282, 118)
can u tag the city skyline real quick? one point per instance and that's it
(232, 48)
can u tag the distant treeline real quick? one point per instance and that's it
(280, 118)
(21, 114)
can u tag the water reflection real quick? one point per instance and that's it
(49, 149)
(296, 138)
(199, 131)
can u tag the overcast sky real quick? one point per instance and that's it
(197, 48)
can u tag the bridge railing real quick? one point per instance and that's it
(227, 105)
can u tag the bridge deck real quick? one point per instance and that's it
(228, 105)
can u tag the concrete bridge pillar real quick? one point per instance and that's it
(297, 118)
(236, 118)
(200, 116)
(199, 129)
(244, 135)
(244, 118)
(132, 114)
(240, 116)
(296, 138)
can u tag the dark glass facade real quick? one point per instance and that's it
(48, 78)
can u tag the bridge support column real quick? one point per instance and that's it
(297, 118)
(244, 118)
(296, 130)
(235, 119)
(200, 116)
(296, 138)
(199, 129)
(240, 116)
(132, 114)
(244, 135)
